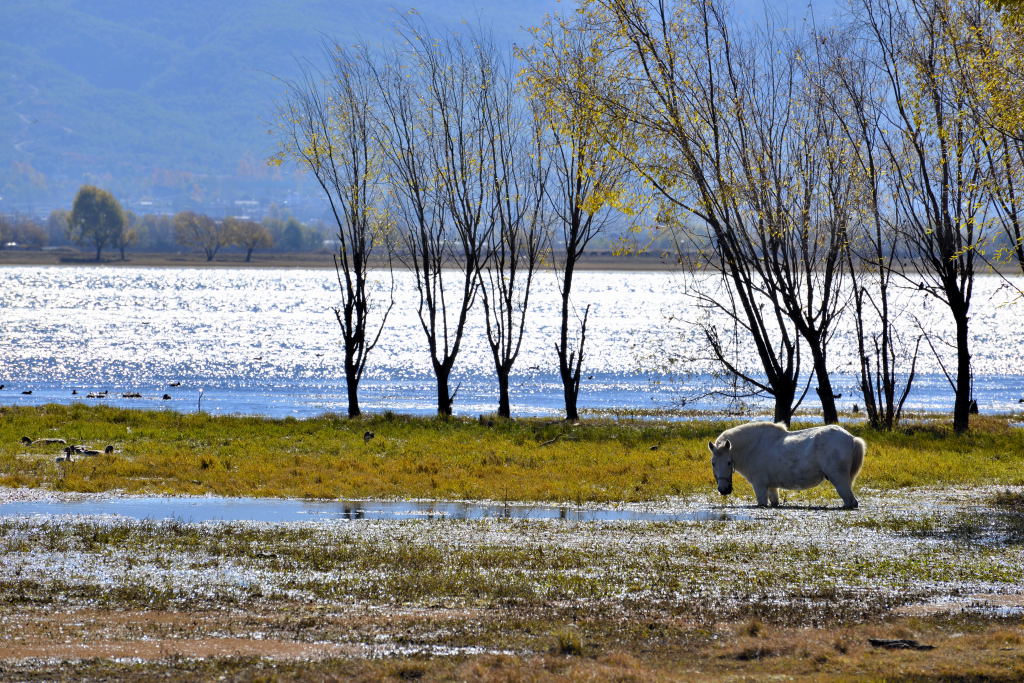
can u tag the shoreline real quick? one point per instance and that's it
(322, 260)
(311, 260)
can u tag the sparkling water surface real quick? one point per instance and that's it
(265, 342)
(215, 509)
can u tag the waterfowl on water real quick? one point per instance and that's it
(106, 451)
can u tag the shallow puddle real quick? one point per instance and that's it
(292, 510)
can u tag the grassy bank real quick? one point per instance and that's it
(164, 452)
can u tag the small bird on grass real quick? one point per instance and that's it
(367, 436)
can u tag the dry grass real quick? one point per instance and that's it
(165, 645)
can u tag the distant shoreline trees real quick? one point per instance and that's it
(23, 231)
(96, 218)
(247, 235)
(193, 229)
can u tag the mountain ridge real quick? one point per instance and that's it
(172, 102)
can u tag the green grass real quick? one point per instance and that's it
(164, 452)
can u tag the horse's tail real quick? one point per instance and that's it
(860, 449)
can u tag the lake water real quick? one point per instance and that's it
(215, 509)
(266, 342)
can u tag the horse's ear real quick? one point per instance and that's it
(711, 446)
(727, 445)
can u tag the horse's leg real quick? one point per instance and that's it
(773, 497)
(844, 487)
(761, 491)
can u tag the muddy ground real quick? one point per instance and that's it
(794, 592)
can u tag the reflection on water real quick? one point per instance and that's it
(291, 510)
(266, 342)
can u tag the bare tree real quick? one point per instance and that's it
(331, 129)
(587, 174)
(515, 194)
(731, 138)
(432, 96)
(855, 96)
(1006, 164)
(994, 81)
(797, 196)
(937, 159)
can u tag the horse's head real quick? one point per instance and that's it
(721, 464)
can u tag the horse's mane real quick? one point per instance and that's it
(747, 430)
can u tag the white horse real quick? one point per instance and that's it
(771, 457)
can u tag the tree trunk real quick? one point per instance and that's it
(504, 405)
(568, 373)
(248, 256)
(351, 386)
(122, 254)
(824, 388)
(444, 399)
(962, 404)
(570, 389)
(353, 397)
(99, 252)
(784, 395)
